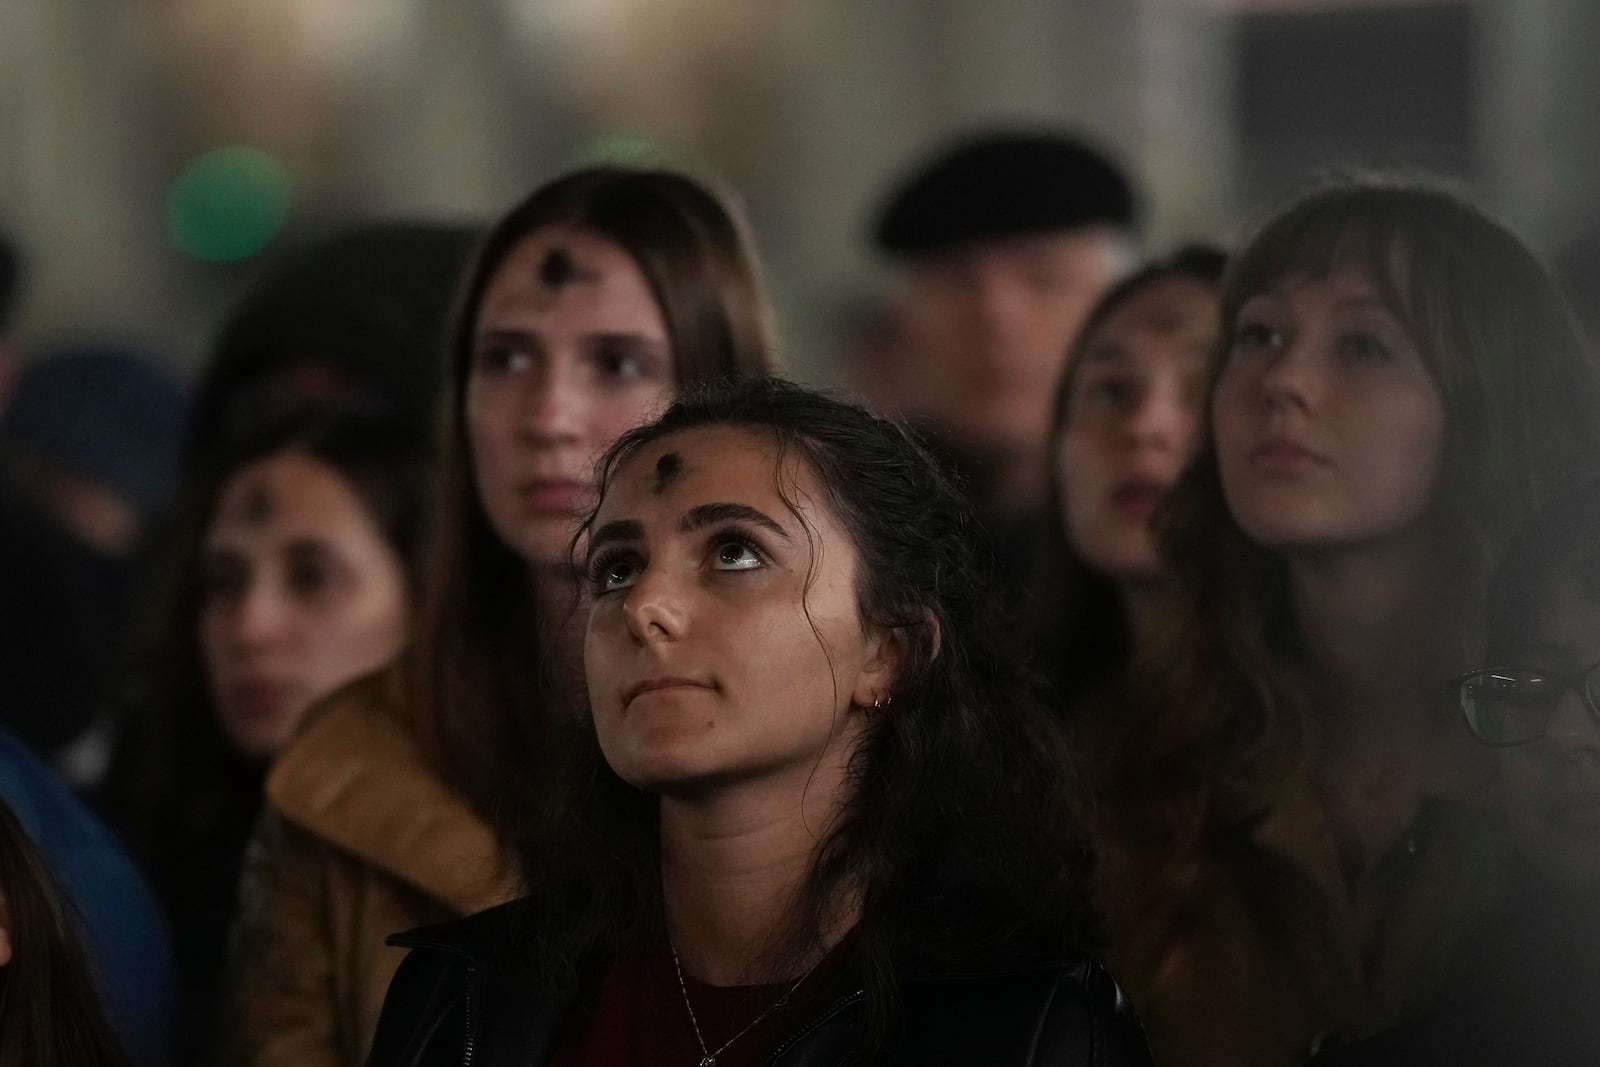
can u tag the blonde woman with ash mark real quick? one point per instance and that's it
(817, 815)
(1293, 833)
(589, 305)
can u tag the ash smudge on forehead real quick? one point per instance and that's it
(558, 268)
(258, 505)
(668, 468)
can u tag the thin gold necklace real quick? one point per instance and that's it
(708, 1058)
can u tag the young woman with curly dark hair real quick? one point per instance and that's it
(817, 813)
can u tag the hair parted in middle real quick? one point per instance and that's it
(955, 835)
(176, 750)
(479, 690)
(1079, 620)
(1214, 716)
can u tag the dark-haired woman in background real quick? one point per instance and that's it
(299, 551)
(589, 305)
(50, 1013)
(1127, 419)
(1293, 837)
(817, 815)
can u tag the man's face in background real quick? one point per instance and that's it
(985, 328)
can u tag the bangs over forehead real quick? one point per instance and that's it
(1324, 235)
(1433, 258)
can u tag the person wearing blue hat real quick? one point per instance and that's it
(88, 443)
(1004, 239)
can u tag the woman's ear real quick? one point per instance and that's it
(887, 661)
(935, 634)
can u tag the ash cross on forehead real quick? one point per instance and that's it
(258, 504)
(668, 468)
(559, 269)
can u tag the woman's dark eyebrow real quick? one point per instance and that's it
(636, 339)
(1361, 300)
(704, 515)
(620, 530)
(503, 335)
(1105, 352)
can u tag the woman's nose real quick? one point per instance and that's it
(259, 616)
(655, 607)
(553, 407)
(1161, 420)
(1292, 375)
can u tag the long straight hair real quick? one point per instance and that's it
(1214, 721)
(1078, 618)
(479, 689)
(50, 1012)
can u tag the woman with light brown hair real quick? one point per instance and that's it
(1293, 838)
(589, 306)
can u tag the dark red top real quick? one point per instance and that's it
(638, 1019)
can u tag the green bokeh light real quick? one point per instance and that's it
(620, 149)
(229, 204)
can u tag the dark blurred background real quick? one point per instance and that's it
(154, 153)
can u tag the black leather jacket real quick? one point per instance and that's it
(465, 996)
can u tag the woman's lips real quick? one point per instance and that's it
(660, 684)
(1283, 456)
(259, 698)
(1136, 501)
(554, 496)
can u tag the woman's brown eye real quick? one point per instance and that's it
(308, 579)
(222, 579)
(1360, 346)
(1110, 394)
(736, 556)
(1255, 335)
(620, 362)
(610, 575)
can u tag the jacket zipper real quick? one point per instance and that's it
(466, 1000)
(827, 1013)
(469, 1049)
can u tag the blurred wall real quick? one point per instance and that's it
(810, 108)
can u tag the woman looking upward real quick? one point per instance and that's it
(1128, 416)
(818, 814)
(1293, 837)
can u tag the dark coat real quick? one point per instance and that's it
(466, 995)
(1527, 992)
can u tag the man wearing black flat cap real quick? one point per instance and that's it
(1006, 239)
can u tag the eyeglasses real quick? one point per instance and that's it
(1515, 705)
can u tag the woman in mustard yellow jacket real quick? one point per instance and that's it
(590, 305)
